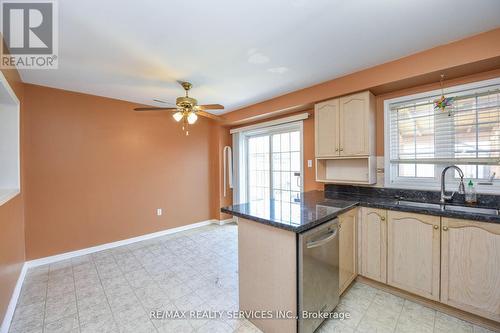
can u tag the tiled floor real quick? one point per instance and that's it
(114, 291)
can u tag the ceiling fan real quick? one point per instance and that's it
(187, 109)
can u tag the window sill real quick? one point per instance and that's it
(8, 194)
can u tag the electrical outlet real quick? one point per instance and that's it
(309, 163)
(159, 212)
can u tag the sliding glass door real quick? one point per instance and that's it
(274, 163)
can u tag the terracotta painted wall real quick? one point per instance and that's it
(97, 171)
(219, 139)
(12, 253)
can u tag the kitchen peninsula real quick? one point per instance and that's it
(377, 222)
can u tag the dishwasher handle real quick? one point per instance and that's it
(323, 239)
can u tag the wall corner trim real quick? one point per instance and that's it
(226, 221)
(9, 314)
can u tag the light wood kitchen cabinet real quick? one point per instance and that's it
(470, 266)
(357, 124)
(373, 233)
(345, 139)
(413, 253)
(347, 249)
(345, 126)
(326, 120)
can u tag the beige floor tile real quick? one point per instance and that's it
(360, 303)
(407, 324)
(479, 329)
(137, 326)
(336, 326)
(445, 323)
(67, 324)
(100, 325)
(114, 290)
(355, 315)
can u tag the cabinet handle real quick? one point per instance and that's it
(436, 227)
(336, 149)
(341, 149)
(382, 218)
(445, 228)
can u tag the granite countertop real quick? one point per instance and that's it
(317, 207)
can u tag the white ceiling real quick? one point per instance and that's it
(237, 52)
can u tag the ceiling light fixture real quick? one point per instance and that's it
(192, 117)
(178, 116)
(187, 109)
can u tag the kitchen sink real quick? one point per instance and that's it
(418, 204)
(477, 210)
(465, 209)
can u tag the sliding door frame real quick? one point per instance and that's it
(243, 153)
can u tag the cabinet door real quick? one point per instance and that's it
(354, 119)
(413, 253)
(347, 249)
(326, 122)
(470, 266)
(374, 244)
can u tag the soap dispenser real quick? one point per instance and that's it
(470, 193)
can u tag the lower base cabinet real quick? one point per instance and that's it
(347, 249)
(470, 266)
(413, 253)
(373, 233)
(452, 261)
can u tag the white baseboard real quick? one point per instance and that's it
(68, 255)
(13, 301)
(222, 222)
(77, 253)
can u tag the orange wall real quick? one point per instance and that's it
(471, 55)
(308, 135)
(12, 254)
(220, 138)
(97, 171)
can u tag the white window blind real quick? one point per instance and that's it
(423, 140)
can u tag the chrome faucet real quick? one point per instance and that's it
(461, 186)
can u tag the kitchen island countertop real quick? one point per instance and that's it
(317, 207)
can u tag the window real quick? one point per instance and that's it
(421, 141)
(268, 163)
(9, 142)
(274, 164)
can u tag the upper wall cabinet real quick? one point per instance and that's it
(345, 139)
(326, 120)
(345, 126)
(357, 124)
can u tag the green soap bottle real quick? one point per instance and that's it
(470, 193)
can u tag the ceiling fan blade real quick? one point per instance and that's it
(155, 109)
(162, 101)
(212, 107)
(209, 115)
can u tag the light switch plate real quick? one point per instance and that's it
(309, 163)
(159, 212)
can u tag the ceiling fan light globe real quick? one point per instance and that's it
(192, 117)
(178, 116)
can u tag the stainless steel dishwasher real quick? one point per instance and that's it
(318, 289)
